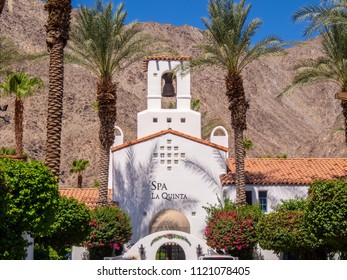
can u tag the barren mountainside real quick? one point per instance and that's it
(304, 124)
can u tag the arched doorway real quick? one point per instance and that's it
(170, 251)
(169, 220)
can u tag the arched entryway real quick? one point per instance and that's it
(170, 251)
(169, 220)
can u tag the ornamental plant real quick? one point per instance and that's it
(285, 231)
(110, 230)
(326, 215)
(71, 227)
(29, 198)
(231, 229)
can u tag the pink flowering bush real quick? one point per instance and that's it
(231, 229)
(110, 229)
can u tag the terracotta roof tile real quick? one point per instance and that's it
(296, 171)
(89, 196)
(174, 132)
(165, 58)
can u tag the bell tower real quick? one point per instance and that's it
(163, 81)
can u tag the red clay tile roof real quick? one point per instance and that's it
(296, 171)
(174, 132)
(164, 57)
(89, 196)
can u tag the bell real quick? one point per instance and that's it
(168, 89)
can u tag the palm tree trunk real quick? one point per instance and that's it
(238, 106)
(2, 5)
(344, 112)
(57, 29)
(79, 180)
(107, 103)
(18, 123)
(55, 108)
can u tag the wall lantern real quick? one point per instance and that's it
(199, 251)
(142, 250)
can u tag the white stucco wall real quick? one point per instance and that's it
(275, 193)
(136, 171)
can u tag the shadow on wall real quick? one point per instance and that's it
(133, 185)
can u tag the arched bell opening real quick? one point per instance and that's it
(168, 90)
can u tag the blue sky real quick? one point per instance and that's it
(275, 14)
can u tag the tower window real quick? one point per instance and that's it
(169, 141)
(155, 120)
(168, 120)
(183, 120)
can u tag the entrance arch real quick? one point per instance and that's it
(169, 220)
(170, 251)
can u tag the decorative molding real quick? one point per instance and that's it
(171, 236)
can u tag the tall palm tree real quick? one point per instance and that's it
(330, 68)
(103, 44)
(78, 167)
(57, 29)
(228, 35)
(22, 86)
(326, 13)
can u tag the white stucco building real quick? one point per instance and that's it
(165, 177)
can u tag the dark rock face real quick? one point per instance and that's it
(306, 123)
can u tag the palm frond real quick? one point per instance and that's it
(102, 43)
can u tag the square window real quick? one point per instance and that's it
(176, 155)
(169, 141)
(162, 155)
(263, 200)
(155, 74)
(193, 213)
(155, 155)
(176, 148)
(168, 120)
(169, 168)
(168, 155)
(168, 148)
(176, 161)
(183, 120)
(183, 155)
(169, 162)
(155, 120)
(162, 161)
(162, 148)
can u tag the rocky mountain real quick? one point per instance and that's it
(304, 124)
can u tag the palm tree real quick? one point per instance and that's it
(103, 44)
(78, 167)
(229, 47)
(330, 68)
(22, 86)
(326, 13)
(57, 29)
(9, 54)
